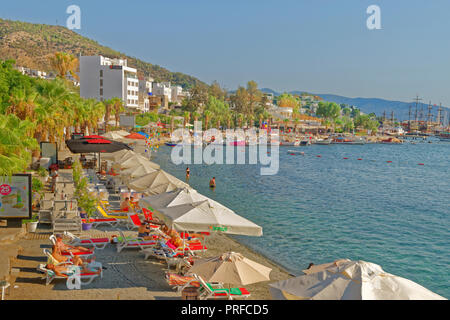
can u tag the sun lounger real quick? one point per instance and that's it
(112, 222)
(68, 253)
(85, 278)
(179, 282)
(98, 243)
(209, 290)
(137, 242)
(134, 222)
(107, 214)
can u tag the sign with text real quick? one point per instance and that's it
(15, 196)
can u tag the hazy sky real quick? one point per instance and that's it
(317, 46)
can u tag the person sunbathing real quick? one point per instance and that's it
(67, 271)
(125, 205)
(62, 247)
(57, 258)
(134, 204)
(144, 232)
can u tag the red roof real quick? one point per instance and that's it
(135, 136)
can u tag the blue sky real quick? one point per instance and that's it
(317, 46)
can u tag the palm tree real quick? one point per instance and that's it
(240, 120)
(64, 63)
(187, 117)
(118, 108)
(207, 114)
(16, 142)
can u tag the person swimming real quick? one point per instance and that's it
(212, 182)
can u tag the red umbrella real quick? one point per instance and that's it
(135, 136)
(99, 141)
(93, 137)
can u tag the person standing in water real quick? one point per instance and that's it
(212, 183)
(188, 172)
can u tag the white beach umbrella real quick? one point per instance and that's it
(205, 216)
(156, 182)
(232, 268)
(135, 161)
(351, 280)
(135, 172)
(174, 198)
(114, 156)
(112, 136)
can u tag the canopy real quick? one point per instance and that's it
(205, 216)
(134, 172)
(83, 146)
(351, 280)
(144, 134)
(231, 267)
(135, 136)
(174, 198)
(115, 134)
(135, 160)
(118, 154)
(156, 182)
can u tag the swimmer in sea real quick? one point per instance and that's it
(212, 182)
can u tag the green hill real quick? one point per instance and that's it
(31, 44)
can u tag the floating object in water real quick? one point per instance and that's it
(319, 156)
(359, 159)
(389, 161)
(295, 152)
(345, 158)
(421, 164)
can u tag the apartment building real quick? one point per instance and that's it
(104, 78)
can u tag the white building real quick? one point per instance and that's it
(176, 94)
(104, 78)
(163, 89)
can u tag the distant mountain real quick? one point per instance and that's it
(31, 44)
(375, 105)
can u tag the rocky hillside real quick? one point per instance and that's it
(31, 44)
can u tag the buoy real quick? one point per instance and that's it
(292, 154)
(359, 159)
(421, 164)
(345, 158)
(319, 156)
(389, 161)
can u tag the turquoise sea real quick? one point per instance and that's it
(319, 209)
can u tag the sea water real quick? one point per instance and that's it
(321, 207)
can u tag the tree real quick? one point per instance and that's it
(287, 100)
(254, 97)
(216, 91)
(117, 109)
(16, 142)
(64, 63)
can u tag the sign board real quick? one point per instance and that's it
(15, 196)
(127, 121)
(49, 150)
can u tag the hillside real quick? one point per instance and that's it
(375, 105)
(31, 45)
